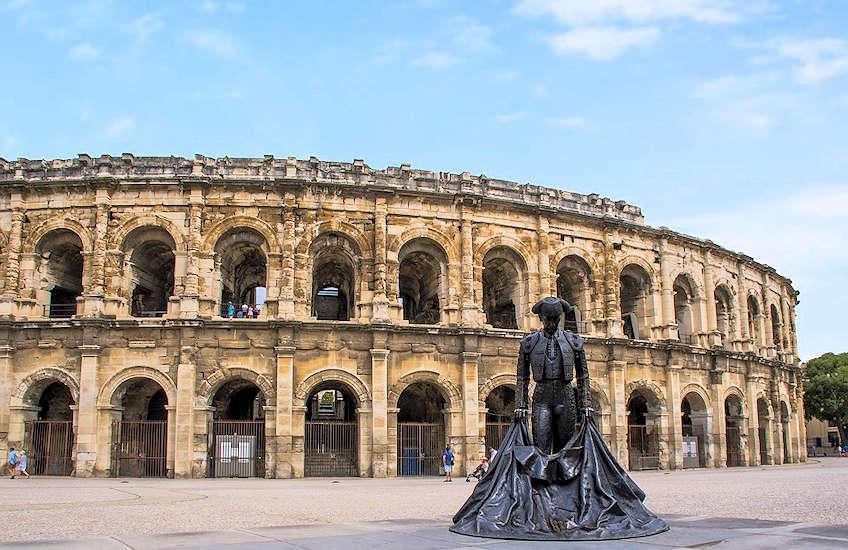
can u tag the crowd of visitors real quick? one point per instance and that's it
(17, 463)
(244, 312)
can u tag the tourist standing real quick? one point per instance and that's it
(13, 462)
(231, 310)
(447, 462)
(22, 465)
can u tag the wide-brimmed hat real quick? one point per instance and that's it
(551, 306)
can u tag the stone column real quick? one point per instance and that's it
(379, 412)
(87, 424)
(709, 307)
(7, 354)
(286, 307)
(618, 415)
(673, 404)
(470, 395)
(719, 427)
(612, 305)
(742, 308)
(380, 311)
(190, 299)
(285, 394)
(751, 382)
(184, 414)
(171, 443)
(13, 258)
(96, 291)
(666, 319)
(543, 286)
(471, 312)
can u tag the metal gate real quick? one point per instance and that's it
(643, 447)
(237, 448)
(140, 448)
(419, 448)
(50, 447)
(734, 446)
(495, 433)
(691, 451)
(761, 433)
(330, 449)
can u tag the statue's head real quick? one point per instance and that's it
(550, 312)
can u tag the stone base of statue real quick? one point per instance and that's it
(579, 493)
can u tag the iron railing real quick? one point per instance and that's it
(495, 433)
(50, 447)
(237, 448)
(419, 448)
(140, 448)
(761, 433)
(734, 446)
(330, 449)
(60, 311)
(643, 447)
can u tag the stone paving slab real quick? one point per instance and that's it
(685, 532)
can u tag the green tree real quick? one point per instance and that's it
(826, 390)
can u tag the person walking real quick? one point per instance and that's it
(22, 465)
(447, 462)
(14, 458)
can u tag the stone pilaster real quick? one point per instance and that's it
(7, 354)
(184, 413)
(667, 320)
(615, 374)
(612, 306)
(283, 411)
(13, 259)
(474, 444)
(752, 424)
(471, 312)
(379, 412)
(96, 291)
(673, 404)
(380, 312)
(87, 414)
(286, 308)
(190, 299)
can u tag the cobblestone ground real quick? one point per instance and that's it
(68, 508)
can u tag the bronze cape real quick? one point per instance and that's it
(579, 493)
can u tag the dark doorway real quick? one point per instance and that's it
(49, 440)
(331, 434)
(140, 437)
(733, 425)
(642, 435)
(501, 407)
(238, 431)
(420, 430)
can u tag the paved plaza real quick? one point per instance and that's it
(798, 506)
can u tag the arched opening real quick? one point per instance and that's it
(331, 434)
(333, 277)
(684, 309)
(500, 407)
(574, 285)
(59, 266)
(49, 438)
(763, 430)
(242, 253)
(724, 314)
(643, 431)
(784, 426)
(775, 327)
(635, 302)
(503, 287)
(150, 254)
(754, 321)
(140, 432)
(238, 430)
(734, 423)
(422, 266)
(420, 430)
(694, 419)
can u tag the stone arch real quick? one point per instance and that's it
(596, 389)
(213, 382)
(736, 392)
(39, 380)
(39, 232)
(104, 399)
(356, 386)
(450, 391)
(511, 243)
(693, 387)
(395, 244)
(123, 232)
(335, 226)
(496, 381)
(651, 389)
(636, 260)
(214, 234)
(581, 253)
(697, 289)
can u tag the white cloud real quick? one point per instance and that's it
(591, 12)
(745, 102)
(120, 126)
(436, 60)
(816, 60)
(470, 35)
(509, 117)
(145, 26)
(506, 76)
(84, 50)
(602, 43)
(567, 122)
(210, 41)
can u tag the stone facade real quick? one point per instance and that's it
(117, 270)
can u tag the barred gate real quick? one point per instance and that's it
(761, 433)
(495, 433)
(237, 448)
(140, 448)
(643, 447)
(330, 449)
(734, 446)
(50, 447)
(419, 448)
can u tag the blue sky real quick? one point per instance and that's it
(721, 119)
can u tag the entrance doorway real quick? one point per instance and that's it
(140, 436)
(501, 406)
(49, 440)
(694, 421)
(763, 429)
(733, 422)
(331, 434)
(420, 430)
(642, 434)
(238, 431)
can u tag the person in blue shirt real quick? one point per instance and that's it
(22, 464)
(231, 310)
(14, 459)
(447, 462)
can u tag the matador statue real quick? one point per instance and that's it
(552, 356)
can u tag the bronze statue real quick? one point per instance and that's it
(552, 356)
(568, 486)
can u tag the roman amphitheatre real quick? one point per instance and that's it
(375, 316)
